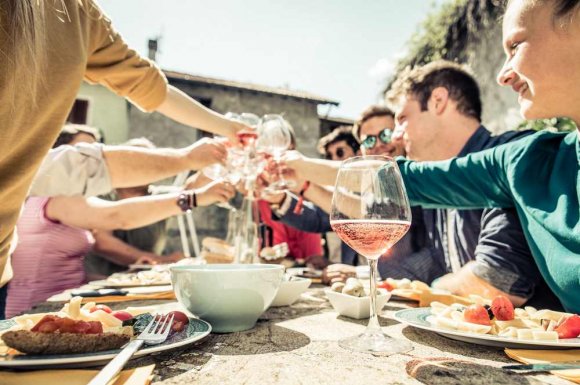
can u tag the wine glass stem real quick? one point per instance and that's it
(374, 319)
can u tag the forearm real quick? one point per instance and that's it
(320, 196)
(115, 250)
(183, 109)
(137, 212)
(322, 171)
(464, 283)
(132, 166)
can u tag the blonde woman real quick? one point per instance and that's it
(47, 48)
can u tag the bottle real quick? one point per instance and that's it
(246, 239)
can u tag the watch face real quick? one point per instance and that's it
(182, 202)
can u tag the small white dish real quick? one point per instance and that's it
(290, 291)
(356, 307)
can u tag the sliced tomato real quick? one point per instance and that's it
(502, 308)
(180, 321)
(95, 327)
(122, 315)
(104, 308)
(569, 328)
(476, 314)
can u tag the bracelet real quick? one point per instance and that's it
(186, 201)
(300, 203)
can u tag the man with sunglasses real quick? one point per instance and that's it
(339, 144)
(374, 130)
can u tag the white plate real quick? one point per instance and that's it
(105, 283)
(417, 318)
(196, 330)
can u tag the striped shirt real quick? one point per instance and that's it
(47, 260)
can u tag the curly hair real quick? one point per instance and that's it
(338, 134)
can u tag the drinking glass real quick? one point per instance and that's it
(370, 212)
(274, 138)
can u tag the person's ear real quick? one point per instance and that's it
(438, 100)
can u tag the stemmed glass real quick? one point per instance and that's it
(370, 212)
(274, 138)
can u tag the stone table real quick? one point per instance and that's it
(298, 345)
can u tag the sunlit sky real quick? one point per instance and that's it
(340, 49)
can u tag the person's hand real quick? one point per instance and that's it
(146, 260)
(230, 129)
(291, 166)
(337, 272)
(215, 192)
(204, 152)
(173, 257)
(196, 181)
(317, 262)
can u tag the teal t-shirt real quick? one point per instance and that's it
(538, 175)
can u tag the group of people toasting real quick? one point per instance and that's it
(491, 214)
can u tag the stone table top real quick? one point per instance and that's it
(298, 345)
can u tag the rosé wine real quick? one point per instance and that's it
(247, 137)
(370, 237)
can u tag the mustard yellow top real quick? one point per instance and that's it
(86, 47)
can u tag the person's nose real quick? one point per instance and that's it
(506, 76)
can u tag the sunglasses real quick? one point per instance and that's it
(384, 136)
(340, 152)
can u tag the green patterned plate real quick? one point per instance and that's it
(196, 330)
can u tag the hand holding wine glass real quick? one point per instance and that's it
(370, 212)
(274, 138)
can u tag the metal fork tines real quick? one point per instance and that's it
(155, 332)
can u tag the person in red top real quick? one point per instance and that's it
(302, 245)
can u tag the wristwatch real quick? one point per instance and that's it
(186, 201)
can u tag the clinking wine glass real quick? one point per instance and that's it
(274, 137)
(370, 212)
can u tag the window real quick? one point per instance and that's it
(79, 112)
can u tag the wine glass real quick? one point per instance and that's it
(370, 212)
(274, 137)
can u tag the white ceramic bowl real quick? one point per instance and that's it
(290, 291)
(356, 307)
(230, 297)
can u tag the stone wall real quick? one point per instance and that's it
(500, 104)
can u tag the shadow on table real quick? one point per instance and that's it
(262, 339)
(383, 321)
(174, 362)
(443, 371)
(426, 338)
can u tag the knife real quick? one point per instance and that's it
(545, 367)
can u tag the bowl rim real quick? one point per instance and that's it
(228, 267)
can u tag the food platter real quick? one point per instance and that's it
(196, 330)
(418, 318)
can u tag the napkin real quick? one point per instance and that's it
(130, 297)
(549, 357)
(137, 376)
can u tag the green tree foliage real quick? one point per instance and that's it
(553, 124)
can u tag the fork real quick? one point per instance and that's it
(155, 332)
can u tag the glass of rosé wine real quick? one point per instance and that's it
(370, 212)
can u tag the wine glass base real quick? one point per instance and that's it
(375, 342)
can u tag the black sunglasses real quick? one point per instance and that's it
(384, 136)
(339, 153)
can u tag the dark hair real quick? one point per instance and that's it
(562, 8)
(420, 82)
(69, 131)
(371, 112)
(338, 134)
